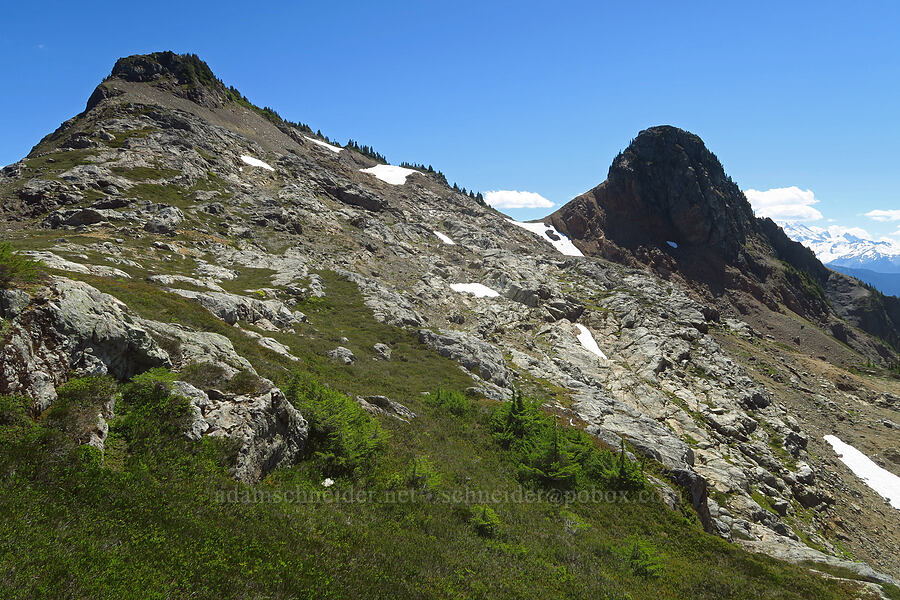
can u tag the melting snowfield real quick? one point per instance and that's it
(881, 480)
(551, 235)
(588, 342)
(326, 145)
(255, 162)
(478, 290)
(444, 238)
(390, 174)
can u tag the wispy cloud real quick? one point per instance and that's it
(784, 205)
(838, 230)
(516, 199)
(884, 215)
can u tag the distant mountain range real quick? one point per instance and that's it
(847, 250)
(874, 262)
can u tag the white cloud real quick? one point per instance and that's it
(784, 205)
(883, 215)
(514, 199)
(840, 230)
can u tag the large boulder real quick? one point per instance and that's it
(71, 327)
(341, 354)
(270, 430)
(477, 356)
(166, 220)
(186, 346)
(231, 308)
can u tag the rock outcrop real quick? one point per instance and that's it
(696, 378)
(71, 327)
(270, 432)
(667, 204)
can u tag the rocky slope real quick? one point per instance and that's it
(172, 184)
(667, 204)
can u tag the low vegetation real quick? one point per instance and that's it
(15, 268)
(343, 438)
(473, 498)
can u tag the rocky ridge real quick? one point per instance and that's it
(668, 205)
(161, 193)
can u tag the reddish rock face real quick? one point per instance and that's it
(665, 187)
(668, 205)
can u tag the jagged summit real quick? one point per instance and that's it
(184, 75)
(668, 205)
(665, 187)
(187, 69)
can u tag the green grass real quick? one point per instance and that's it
(143, 522)
(249, 278)
(174, 195)
(54, 163)
(15, 268)
(161, 194)
(144, 173)
(147, 519)
(121, 136)
(762, 500)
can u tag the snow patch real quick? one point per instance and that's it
(476, 289)
(326, 145)
(588, 342)
(255, 162)
(881, 480)
(673, 244)
(551, 235)
(444, 238)
(390, 174)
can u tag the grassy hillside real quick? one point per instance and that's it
(157, 515)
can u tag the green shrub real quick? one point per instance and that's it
(14, 267)
(203, 375)
(558, 458)
(343, 438)
(422, 474)
(13, 411)
(207, 376)
(78, 403)
(514, 423)
(641, 557)
(245, 382)
(14, 420)
(552, 461)
(891, 591)
(452, 401)
(150, 414)
(485, 521)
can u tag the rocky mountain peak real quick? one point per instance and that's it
(668, 205)
(187, 69)
(260, 267)
(184, 75)
(668, 187)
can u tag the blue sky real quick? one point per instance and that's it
(526, 96)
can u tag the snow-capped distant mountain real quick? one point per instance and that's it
(835, 246)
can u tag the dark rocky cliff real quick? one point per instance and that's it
(667, 204)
